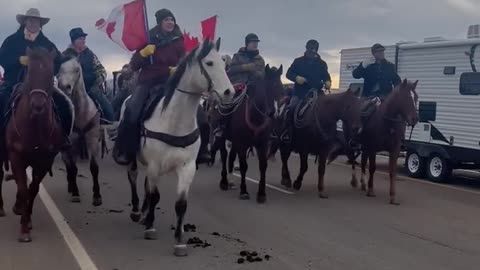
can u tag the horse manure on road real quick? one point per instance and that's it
(251, 256)
(189, 228)
(197, 242)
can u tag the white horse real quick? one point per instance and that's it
(87, 133)
(170, 141)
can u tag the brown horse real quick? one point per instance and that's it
(385, 131)
(250, 125)
(320, 120)
(33, 134)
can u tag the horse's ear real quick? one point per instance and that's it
(217, 44)
(358, 91)
(280, 70)
(415, 84)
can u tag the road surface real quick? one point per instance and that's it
(435, 227)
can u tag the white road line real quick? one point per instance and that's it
(76, 247)
(270, 186)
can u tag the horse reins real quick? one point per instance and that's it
(204, 72)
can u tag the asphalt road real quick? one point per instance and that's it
(435, 227)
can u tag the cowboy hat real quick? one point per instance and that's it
(32, 13)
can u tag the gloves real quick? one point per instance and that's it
(172, 70)
(328, 85)
(300, 80)
(248, 67)
(148, 50)
(367, 62)
(23, 60)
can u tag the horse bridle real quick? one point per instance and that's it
(204, 72)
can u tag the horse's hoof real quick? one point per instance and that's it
(297, 185)
(224, 185)
(25, 238)
(371, 194)
(75, 199)
(180, 250)
(245, 196)
(150, 234)
(322, 195)
(364, 187)
(135, 216)
(30, 226)
(97, 201)
(286, 182)
(17, 211)
(261, 199)
(354, 184)
(394, 202)
(2, 212)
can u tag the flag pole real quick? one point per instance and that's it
(147, 28)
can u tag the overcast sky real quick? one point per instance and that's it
(283, 26)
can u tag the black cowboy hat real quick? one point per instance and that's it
(77, 33)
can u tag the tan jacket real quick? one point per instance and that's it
(245, 65)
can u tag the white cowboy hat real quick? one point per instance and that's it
(32, 13)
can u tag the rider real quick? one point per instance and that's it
(308, 72)
(380, 75)
(13, 59)
(166, 48)
(245, 65)
(94, 74)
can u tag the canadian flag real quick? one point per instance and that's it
(126, 25)
(208, 32)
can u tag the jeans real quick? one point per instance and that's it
(98, 97)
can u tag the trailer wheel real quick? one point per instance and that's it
(415, 165)
(439, 169)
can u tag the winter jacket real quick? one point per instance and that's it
(314, 70)
(379, 78)
(93, 71)
(245, 65)
(170, 49)
(15, 46)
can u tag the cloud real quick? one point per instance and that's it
(283, 26)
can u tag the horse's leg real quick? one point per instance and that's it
(224, 180)
(322, 161)
(37, 177)
(232, 155)
(297, 185)
(132, 174)
(373, 166)
(364, 171)
(20, 207)
(285, 152)
(70, 165)
(393, 175)
(2, 211)
(153, 199)
(185, 177)
(242, 156)
(354, 181)
(262, 162)
(146, 200)
(97, 197)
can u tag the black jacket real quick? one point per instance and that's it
(314, 70)
(382, 73)
(15, 46)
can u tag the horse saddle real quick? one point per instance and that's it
(369, 107)
(306, 103)
(239, 87)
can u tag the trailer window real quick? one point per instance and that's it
(470, 83)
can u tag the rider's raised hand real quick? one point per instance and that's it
(148, 50)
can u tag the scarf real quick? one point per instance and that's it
(29, 35)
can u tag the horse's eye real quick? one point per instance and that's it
(210, 63)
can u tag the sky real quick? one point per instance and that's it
(283, 26)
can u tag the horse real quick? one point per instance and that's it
(385, 131)
(34, 136)
(315, 133)
(170, 136)
(87, 133)
(250, 123)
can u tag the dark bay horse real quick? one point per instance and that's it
(250, 125)
(385, 131)
(33, 134)
(315, 133)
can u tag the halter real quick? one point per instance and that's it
(204, 72)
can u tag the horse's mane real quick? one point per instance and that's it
(173, 81)
(68, 55)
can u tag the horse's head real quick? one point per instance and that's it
(350, 110)
(40, 77)
(70, 72)
(203, 69)
(405, 100)
(274, 86)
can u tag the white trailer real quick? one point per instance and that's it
(448, 135)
